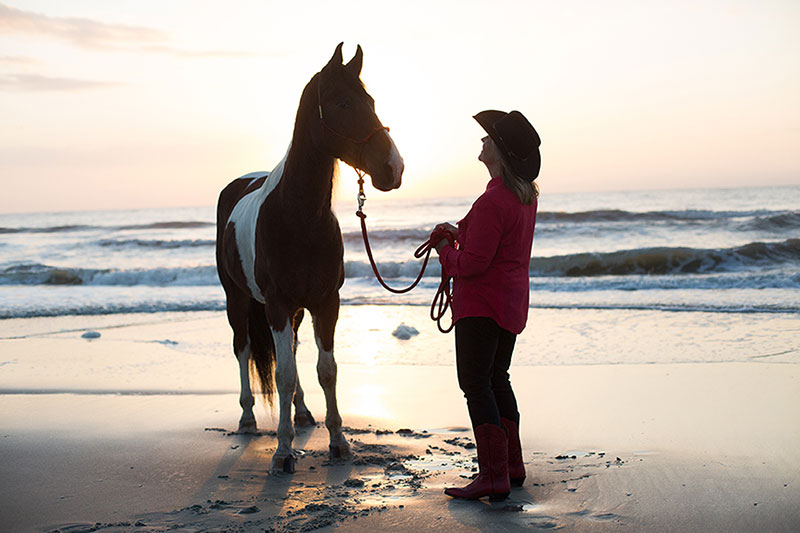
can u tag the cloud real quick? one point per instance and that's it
(18, 61)
(77, 31)
(92, 34)
(198, 53)
(33, 82)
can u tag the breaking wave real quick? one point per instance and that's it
(37, 274)
(652, 262)
(660, 261)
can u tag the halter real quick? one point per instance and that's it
(327, 126)
(360, 143)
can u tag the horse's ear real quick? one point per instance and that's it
(337, 56)
(354, 66)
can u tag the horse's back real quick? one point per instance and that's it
(233, 192)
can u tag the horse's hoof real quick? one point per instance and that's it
(304, 419)
(247, 426)
(342, 451)
(283, 464)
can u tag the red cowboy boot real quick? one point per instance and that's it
(516, 468)
(492, 477)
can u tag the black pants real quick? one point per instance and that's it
(483, 356)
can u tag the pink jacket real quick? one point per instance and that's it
(490, 266)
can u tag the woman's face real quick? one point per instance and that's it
(489, 155)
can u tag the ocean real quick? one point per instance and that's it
(681, 276)
(716, 250)
(719, 250)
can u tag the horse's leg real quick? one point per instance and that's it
(237, 309)
(286, 379)
(302, 416)
(247, 423)
(324, 326)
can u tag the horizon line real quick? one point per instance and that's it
(380, 200)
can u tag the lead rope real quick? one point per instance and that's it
(443, 297)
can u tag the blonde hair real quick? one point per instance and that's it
(526, 191)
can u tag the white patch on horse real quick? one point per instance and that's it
(326, 374)
(286, 381)
(395, 160)
(253, 176)
(245, 218)
(246, 400)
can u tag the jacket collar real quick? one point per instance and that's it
(494, 182)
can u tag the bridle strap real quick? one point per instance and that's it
(359, 142)
(328, 127)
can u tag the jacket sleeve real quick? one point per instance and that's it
(484, 231)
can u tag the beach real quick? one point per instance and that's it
(160, 165)
(134, 430)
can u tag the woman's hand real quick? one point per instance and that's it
(451, 228)
(444, 228)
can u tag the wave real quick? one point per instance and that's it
(192, 224)
(27, 302)
(38, 274)
(740, 308)
(660, 261)
(105, 309)
(775, 279)
(50, 229)
(113, 308)
(651, 262)
(757, 256)
(155, 243)
(82, 308)
(780, 222)
(618, 215)
(416, 235)
(757, 220)
(753, 220)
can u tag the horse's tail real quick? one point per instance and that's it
(262, 349)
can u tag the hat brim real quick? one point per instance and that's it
(528, 168)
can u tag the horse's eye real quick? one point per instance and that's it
(343, 104)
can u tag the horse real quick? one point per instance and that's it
(279, 248)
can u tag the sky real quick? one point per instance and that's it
(108, 104)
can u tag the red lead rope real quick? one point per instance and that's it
(443, 296)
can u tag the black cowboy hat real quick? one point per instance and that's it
(516, 139)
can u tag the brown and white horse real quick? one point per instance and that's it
(280, 249)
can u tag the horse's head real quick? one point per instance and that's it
(350, 129)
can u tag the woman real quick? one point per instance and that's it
(489, 267)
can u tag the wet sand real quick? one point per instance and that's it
(658, 447)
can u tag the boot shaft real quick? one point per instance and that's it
(516, 468)
(492, 444)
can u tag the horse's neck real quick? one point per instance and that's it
(309, 183)
(308, 173)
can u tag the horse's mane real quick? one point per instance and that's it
(336, 175)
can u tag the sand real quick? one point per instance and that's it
(133, 431)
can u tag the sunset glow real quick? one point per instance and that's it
(146, 104)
